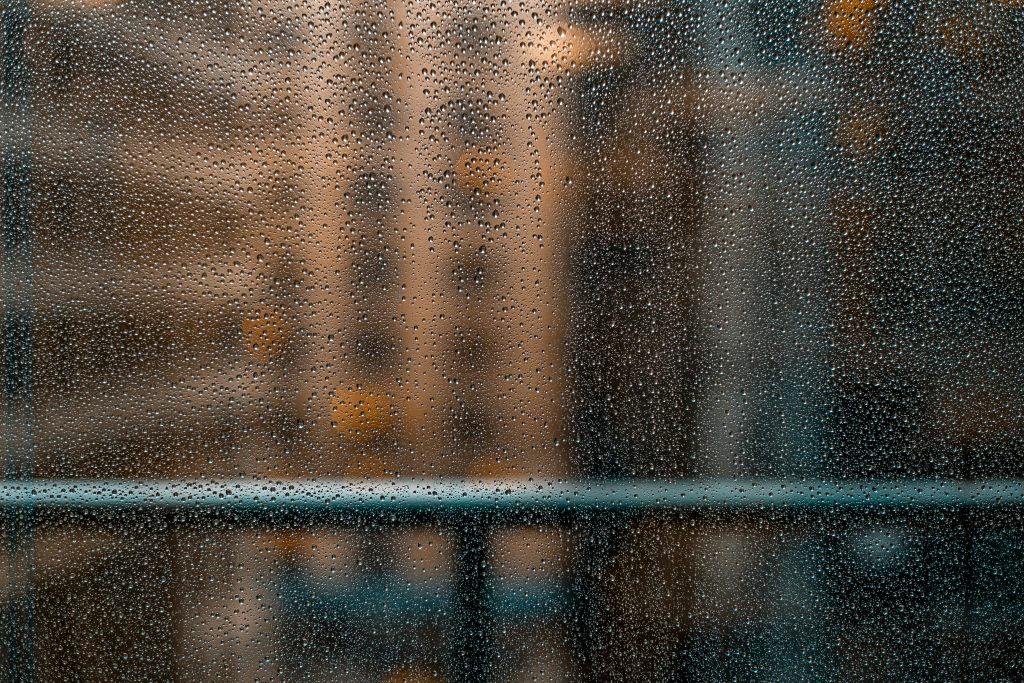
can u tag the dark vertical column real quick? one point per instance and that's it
(597, 541)
(472, 642)
(17, 329)
(968, 559)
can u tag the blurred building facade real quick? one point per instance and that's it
(509, 241)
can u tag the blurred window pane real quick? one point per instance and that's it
(562, 340)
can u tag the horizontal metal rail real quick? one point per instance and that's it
(472, 604)
(400, 498)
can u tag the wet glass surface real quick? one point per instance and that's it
(595, 340)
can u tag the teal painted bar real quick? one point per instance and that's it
(440, 497)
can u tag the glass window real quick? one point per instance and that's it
(500, 341)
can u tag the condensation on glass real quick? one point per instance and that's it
(512, 340)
